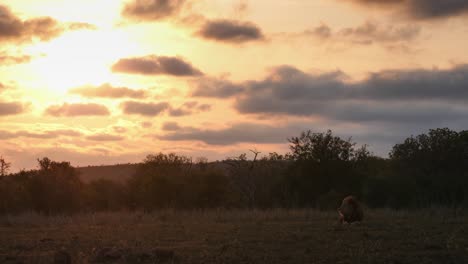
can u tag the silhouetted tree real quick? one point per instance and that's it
(4, 167)
(324, 164)
(240, 175)
(104, 195)
(15, 196)
(377, 188)
(56, 187)
(205, 188)
(158, 181)
(321, 169)
(431, 168)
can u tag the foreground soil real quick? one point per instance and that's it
(222, 236)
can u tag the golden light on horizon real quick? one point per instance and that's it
(80, 58)
(205, 76)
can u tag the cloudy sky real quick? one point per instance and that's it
(108, 81)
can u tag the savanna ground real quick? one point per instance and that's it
(225, 236)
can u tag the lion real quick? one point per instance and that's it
(350, 210)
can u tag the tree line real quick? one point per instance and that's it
(321, 168)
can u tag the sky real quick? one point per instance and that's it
(106, 81)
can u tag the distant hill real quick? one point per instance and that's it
(118, 173)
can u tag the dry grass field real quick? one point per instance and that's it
(222, 236)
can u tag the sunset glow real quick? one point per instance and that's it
(108, 81)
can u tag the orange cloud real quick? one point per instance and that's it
(156, 65)
(422, 9)
(13, 29)
(12, 108)
(107, 91)
(231, 31)
(77, 110)
(152, 10)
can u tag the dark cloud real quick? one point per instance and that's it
(152, 10)
(78, 109)
(427, 9)
(283, 82)
(13, 29)
(154, 109)
(237, 133)
(156, 65)
(104, 137)
(11, 108)
(231, 31)
(416, 84)
(379, 2)
(188, 108)
(179, 112)
(212, 87)
(417, 95)
(395, 112)
(144, 109)
(107, 91)
(171, 126)
(422, 9)
(367, 33)
(370, 31)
